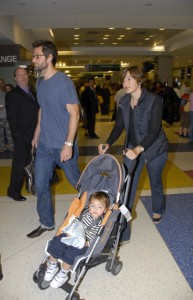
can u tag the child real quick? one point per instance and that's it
(91, 219)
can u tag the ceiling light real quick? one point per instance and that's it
(114, 43)
(128, 28)
(122, 35)
(161, 29)
(147, 39)
(105, 38)
(111, 28)
(159, 48)
(76, 35)
(51, 32)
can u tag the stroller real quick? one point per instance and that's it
(104, 173)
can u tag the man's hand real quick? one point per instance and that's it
(66, 153)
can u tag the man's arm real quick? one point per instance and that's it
(37, 131)
(67, 149)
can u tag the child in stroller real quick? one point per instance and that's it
(106, 174)
(73, 240)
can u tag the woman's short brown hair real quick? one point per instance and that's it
(136, 72)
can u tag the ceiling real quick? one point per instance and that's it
(82, 35)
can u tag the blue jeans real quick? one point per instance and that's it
(154, 169)
(191, 127)
(45, 162)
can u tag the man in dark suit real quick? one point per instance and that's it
(89, 102)
(22, 113)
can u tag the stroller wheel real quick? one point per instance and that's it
(39, 274)
(43, 285)
(117, 266)
(75, 296)
(108, 265)
(36, 276)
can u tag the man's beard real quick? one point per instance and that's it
(41, 67)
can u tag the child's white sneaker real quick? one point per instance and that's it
(59, 279)
(51, 271)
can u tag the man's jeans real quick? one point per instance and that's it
(154, 169)
(45, 162)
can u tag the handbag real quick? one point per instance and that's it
(30, 176)
(184, 101)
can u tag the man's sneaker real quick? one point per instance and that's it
(59, 279)
(51, 271)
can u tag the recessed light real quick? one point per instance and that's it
(148, 4)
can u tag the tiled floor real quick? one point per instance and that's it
(149, 271)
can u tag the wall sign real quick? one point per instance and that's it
(9, 55)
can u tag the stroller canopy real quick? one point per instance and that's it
(104, 172)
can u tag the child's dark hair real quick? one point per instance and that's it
(101, 197)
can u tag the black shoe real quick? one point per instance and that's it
(20, 198)
(38, 231)
(93, 137)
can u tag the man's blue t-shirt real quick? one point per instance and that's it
(53, 94)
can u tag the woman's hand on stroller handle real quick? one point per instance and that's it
(102, 148)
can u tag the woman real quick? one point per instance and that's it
(140, 114)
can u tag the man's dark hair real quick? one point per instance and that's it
(48, 47)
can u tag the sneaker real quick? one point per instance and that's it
(156, 218)
(51, 271)
(59, 279)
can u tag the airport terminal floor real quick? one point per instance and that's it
(156, 265)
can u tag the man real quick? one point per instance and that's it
(6, 141)
(89, 102)
(22, 112)
(55, 134)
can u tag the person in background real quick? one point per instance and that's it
(118, 95)
(22, 113)
(140, 114)
(191, 119)
(184, 116)
(185, 88)
(2, 85)
(6, 141)
(55, 134)
(9, 87)
(89, 102)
